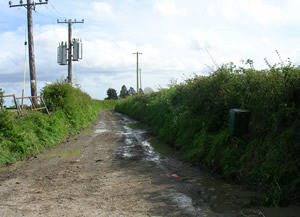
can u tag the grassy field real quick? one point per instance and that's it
(194, 118)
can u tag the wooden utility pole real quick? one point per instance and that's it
(29, 6)
(137, 71)
(70, 51)
(70, 46)
(140, 78)
(31, 51)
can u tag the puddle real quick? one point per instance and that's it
(184, 202)
(151, 155)
(208, 197)
(99, 131)
(136, 126)
(123, 133)
(101, 127)
(128, 141)
(163, 149)
(153, 149)
(101, 124)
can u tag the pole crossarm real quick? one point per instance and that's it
(30, 5)
(26, 5)
(72, 21)
(70, 44)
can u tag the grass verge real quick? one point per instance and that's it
(71, 111)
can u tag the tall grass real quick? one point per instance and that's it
(194, 118)
(71, 110)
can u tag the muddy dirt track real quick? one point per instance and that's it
(112, 170)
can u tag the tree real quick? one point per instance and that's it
(131, 91)
(148, 90)
(124, 92)
(141, 91)
(111, 94)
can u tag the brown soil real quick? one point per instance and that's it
(94, 174)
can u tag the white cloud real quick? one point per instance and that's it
(102, 7)
(169, 8)
(202, 40)
(175, 41)
(171, 34)
(100, 10)
(290, 12)
(12, 55)
(102, 54)
(194, 40)
(249, 9)
(263, 13)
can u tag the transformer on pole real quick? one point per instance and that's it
(77, 49)
(71, 50)
(62, 55)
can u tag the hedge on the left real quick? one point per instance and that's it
(71, 110)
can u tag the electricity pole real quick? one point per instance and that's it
(140, 78)
(137, 71)
(29, 6)
(70, 22)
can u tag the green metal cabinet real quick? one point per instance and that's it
(239, 121)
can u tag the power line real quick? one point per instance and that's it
(56, 11)
(212, 59)
(30, 6)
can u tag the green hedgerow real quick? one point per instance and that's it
(71, 110)
(194, 117)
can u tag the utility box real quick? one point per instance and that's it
(62, 55)
(239, 121)
(77, 49)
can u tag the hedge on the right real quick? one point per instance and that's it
(194, 117)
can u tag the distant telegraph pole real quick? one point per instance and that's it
(70, 22)
(137, 71)
(29, 6)
(140, 78)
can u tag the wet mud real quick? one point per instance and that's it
(116, 168)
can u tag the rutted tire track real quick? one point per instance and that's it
(110, 170)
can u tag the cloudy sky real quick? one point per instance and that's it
(177, 38)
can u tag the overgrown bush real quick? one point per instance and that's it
(1, 95)
(194, 117)
(71, 110)
(77, 105)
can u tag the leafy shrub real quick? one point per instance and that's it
(1, 93)
(1, 96)
(77, 105)
(194, 117)
(71, 110)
